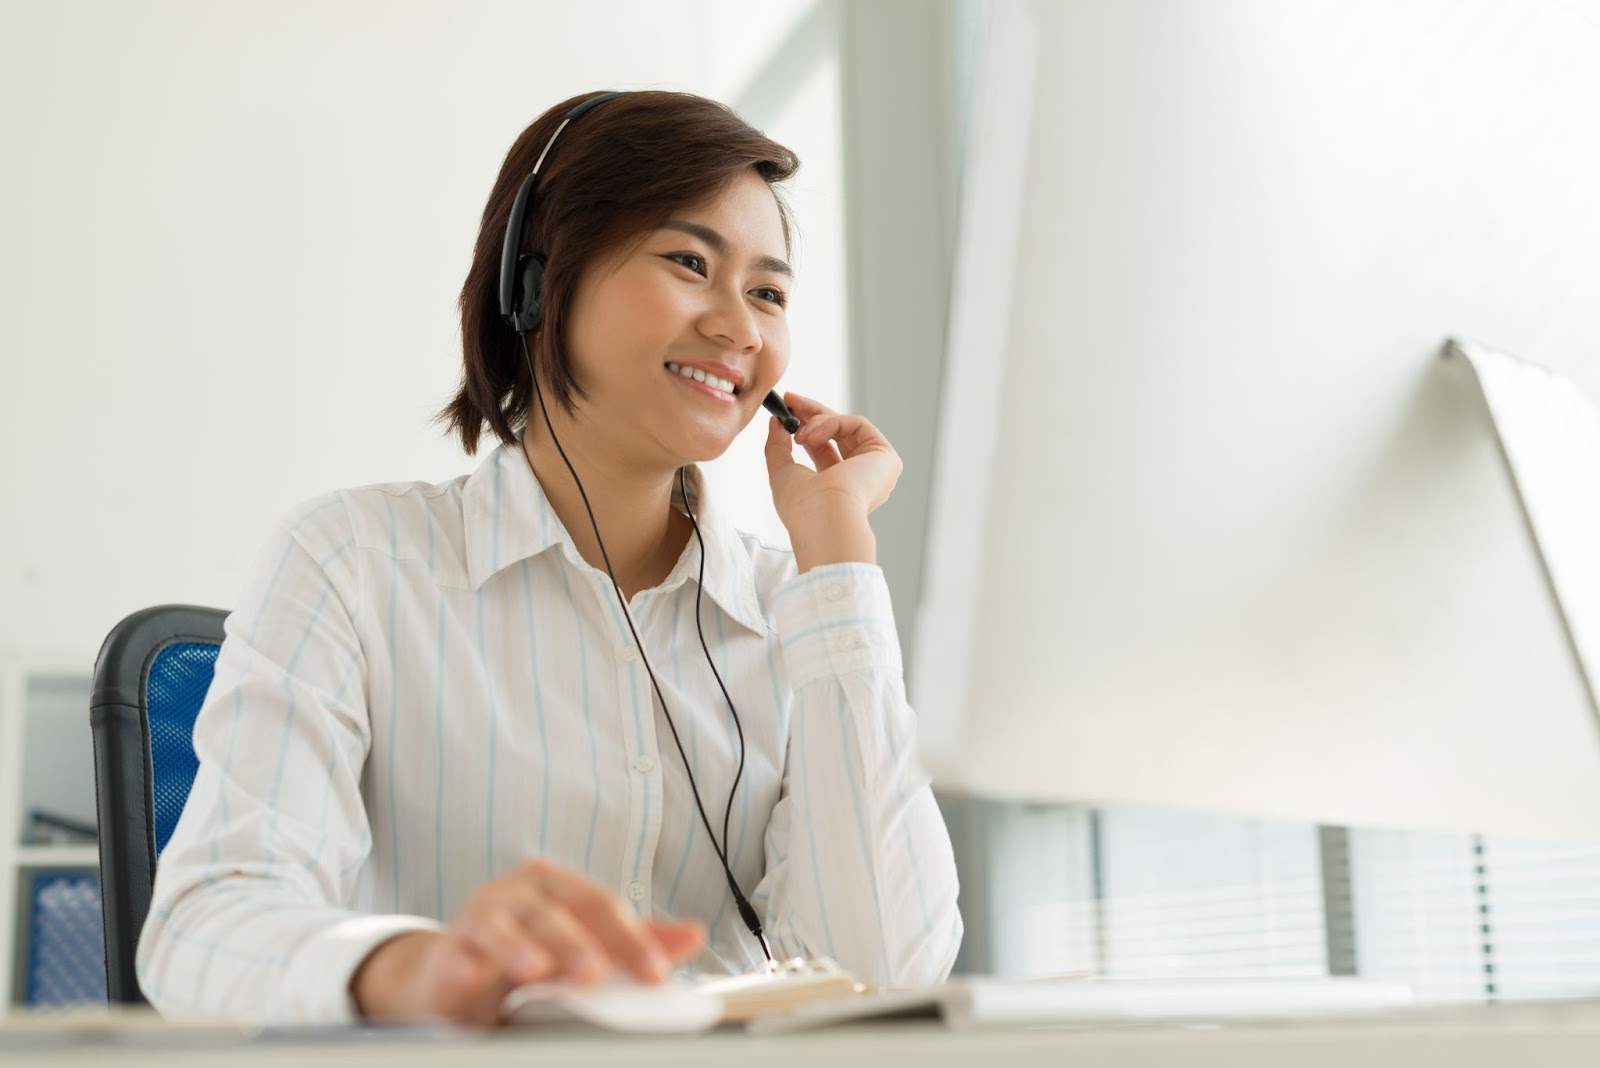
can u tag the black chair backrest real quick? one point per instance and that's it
(149, 681)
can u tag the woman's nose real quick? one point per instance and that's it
(729, 318)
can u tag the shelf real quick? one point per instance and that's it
(62, 856)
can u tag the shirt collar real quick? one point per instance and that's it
(506, 518)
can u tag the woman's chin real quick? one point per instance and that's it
(698, 445)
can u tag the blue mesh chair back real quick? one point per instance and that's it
(150, 679)
(175, 686)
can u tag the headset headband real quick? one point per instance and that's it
(519, 210)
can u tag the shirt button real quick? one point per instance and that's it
(645, 765)
(833, 591)
(628, 654)
(636, 890)
(848, 643)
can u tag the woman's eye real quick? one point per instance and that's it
(694, 263)
(774, 296)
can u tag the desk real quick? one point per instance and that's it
(1535, 1036)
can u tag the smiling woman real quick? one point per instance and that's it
(432, 764)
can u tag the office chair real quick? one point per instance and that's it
(149, 681)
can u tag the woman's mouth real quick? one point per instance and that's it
(704, 383)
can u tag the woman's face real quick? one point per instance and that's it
(703, 293)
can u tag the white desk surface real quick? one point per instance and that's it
(1524, 1036)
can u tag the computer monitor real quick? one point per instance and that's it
(1549, 435)
(1214, 525)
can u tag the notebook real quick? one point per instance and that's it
(969, 1003)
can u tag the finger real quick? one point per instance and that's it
(806, 407)
(782, 467)
(583, 959)
(497, 923)
(851, 433)
(779, 448)
(468, 988)
(819, 428)
(522, 957)
(623, 934)
(526, 895)
(680, 940)
(823, 454)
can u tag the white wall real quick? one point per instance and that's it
(231, 240)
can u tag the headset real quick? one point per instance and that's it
(521, 275)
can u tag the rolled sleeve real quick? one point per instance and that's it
(320, 974)
(834, 620)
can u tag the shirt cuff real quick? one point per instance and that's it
(836, 619)
(319, 976)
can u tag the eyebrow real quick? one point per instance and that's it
(719, 245)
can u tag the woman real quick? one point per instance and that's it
(436, 763)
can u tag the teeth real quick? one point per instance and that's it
(700, 376)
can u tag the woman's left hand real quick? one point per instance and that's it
(825, 510)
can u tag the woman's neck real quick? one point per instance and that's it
(644, 535)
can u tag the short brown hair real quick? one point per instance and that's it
(618, 171)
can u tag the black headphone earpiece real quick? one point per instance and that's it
(520, 272)
(526, 309)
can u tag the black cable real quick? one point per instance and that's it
(747, 912)
(727, 813)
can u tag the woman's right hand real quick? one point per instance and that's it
(537, 923)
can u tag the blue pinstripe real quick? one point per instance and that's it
(272, 584)
(811, 838)
(694, 761)
(588, 710)
(737, 852)
(333, 761)
(238, 695)
(840, 624)
(544, 825)
(332, 740)
(538, 711)
(220, 949)
(289, 718)
(438, 747)
(494, 742)
(494, 553)
(780, 707)
(494, 717)
(227, 763)
(862, 835)
(916, 875)
(638, 736)
(744, 781)
(394, 692)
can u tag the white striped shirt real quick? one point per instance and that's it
(424, 686)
